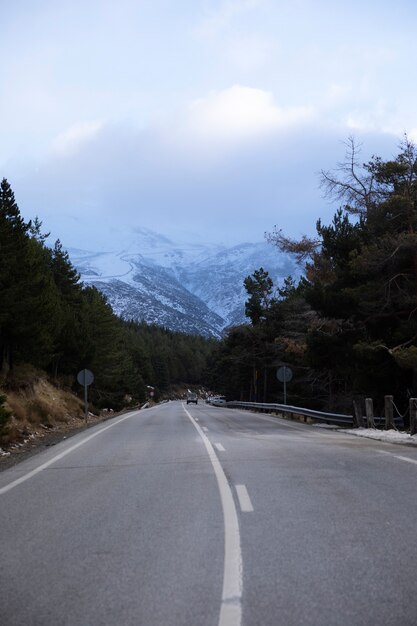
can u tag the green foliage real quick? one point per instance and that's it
(350, 326)
(29, 297)
(363, 280)
(49, 319)
(244, 364)
(167, 358)
(259, 287)
(406, 357)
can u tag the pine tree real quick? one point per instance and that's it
(28, 297)
(13, 245)
(259, 287)
(362, 276)
(69, 336)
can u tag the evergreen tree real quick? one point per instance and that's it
(28, 296)
(69, 341)
(48, 318)
(13, 246)
(259, 287)
(362, 276)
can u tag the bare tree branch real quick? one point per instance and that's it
(346, 184)
(303, 249)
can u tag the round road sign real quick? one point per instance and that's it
(284, 374)
(85, 377)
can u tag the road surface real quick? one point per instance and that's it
(198, 515)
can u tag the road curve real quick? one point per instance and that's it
(197, 515)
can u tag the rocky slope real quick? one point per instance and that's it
(193, 288)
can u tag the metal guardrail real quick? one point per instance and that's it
(339, 419)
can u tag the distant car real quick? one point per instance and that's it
(219, 401)
(192, 397)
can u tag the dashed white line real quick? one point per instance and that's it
(205, 429)
(219, 447)
(244, 499)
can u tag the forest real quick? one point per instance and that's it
(51, 321)
(348, 328)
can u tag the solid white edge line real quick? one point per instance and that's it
(231, 606)
(60, 456)
(244, 499)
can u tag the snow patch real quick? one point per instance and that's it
(149, 277)
(390, 436)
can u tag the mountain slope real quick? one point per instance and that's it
(195, 288)
(218, 279)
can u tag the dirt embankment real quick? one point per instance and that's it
(42, 414)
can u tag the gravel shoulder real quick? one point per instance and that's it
(44, 437)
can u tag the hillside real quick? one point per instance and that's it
(42, 413)
(191, 288)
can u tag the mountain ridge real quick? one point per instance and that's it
(196, 288)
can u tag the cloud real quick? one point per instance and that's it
(122, 175)
(229, 167)
(217, 21)
(71, 140)
(249, 53)
(242, 112)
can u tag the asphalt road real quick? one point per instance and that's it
(197, 515)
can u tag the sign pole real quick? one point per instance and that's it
(284, 375)
(285, 389)
(85, 378)
(85, 400)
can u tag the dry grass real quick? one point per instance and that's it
(35, 403)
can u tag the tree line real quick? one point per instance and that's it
(50, 320)
(348, 328)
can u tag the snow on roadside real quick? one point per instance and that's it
(390, 436)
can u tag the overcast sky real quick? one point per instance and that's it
(210, 117)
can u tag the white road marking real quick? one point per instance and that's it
(398, 456)
(220, 447)
(60, 456)
(244, 499)
(231, 606)
(205, 429)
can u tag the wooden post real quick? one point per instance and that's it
(357, 415)
(389, 412)
(413, 415)
(369, 408)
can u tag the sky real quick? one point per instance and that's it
(206, 120)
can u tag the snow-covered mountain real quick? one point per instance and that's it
(194, 288)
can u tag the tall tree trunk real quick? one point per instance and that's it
(5, 358)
